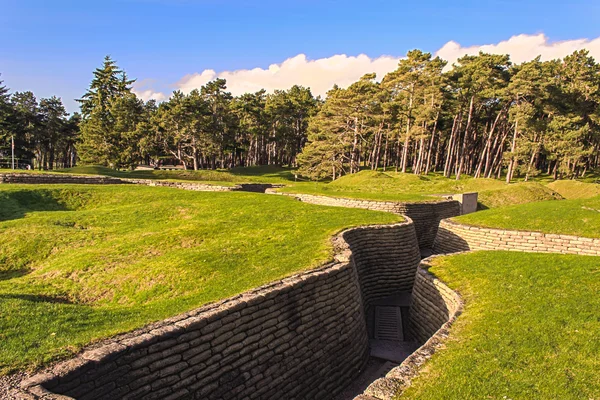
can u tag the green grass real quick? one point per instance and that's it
(529, 329)
(392, 186)
(575, 190)
(570, 217)
(516, 193)
(79, 263)
(259, 174)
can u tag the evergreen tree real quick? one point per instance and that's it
(100, 139)
(6, 117)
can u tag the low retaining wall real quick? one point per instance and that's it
(426, 216)
(434, 307)
(454, 237)
(58, 178)
(304, 337)
(200, 187)
(104, 180)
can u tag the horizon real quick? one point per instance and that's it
(55, 48)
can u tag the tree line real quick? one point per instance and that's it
(207, 128)
(43, 134)
(485, 117)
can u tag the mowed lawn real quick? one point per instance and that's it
(79, 263)
(407, 187)
(579, 217)
(530, 329)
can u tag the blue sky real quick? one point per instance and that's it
(51, 47)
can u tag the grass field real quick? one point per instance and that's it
(575, 190)
(391, 186)
(367, 184)
(516, 193)
(79, 263)
(579, 217)
(529, 329)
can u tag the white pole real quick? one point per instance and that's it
(12, 139)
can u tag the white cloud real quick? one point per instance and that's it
(321, 74)
(523, 48)
(143, 90)
(149, 94)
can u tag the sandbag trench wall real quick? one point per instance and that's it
(200, 187)
(454, 237)
(31, 178)
(105, 180)
(303, 337)
(384, 270)
(434, 308)
(426, 216)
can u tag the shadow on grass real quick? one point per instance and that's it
(16, 204)
(8, 275)
(35, 298)
(481, 206)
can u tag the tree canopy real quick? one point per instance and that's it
(483, 116)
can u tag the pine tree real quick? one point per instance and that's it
(6, 117)
(100, 141)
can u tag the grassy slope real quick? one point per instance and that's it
(529, 329)
(575, 190)
(516, 193)
(79, 263)
(371, 185)
(571, 217)
(376, 185)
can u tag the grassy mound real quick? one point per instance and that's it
(516, 193)
(570, 217)
(79, 263)
(529, 329)
(391, 186)
(575, 190)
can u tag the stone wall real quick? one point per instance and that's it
(425, 216)
(434, 308)
(432, 305)
(304, 337)
(200, 187)
(99, 180)
(386, 259)
(58, 178)
(453, 237)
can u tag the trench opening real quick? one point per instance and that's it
(390, 340)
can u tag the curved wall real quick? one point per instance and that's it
(425, 216)
(386, 259)
(304, 337)
(454, 237)
(434, 307)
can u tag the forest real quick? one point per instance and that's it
(483, 116)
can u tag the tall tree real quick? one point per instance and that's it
(100, 140)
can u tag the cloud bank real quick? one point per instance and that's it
(522, 48)
(321, 74)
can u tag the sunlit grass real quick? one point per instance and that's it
(79, 263)
(570, 217)
(529, 329)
